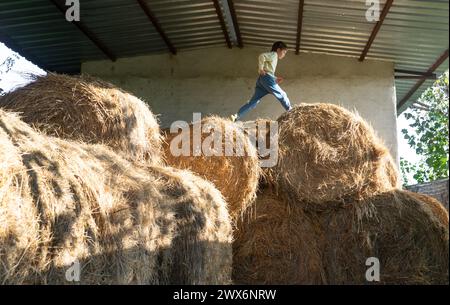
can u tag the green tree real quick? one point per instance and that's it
(429, 120)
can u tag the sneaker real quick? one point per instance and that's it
(234, 117)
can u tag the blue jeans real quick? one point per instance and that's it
(264, 85)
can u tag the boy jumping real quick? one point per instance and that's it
(267, 81)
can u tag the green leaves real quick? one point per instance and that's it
(430, 137)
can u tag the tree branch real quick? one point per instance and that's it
(422, 104)
(420, 108)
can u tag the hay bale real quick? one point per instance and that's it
(277, 243)
(63, 202)
(236, 176)
(327, 154)
(408, 233)
(89, 110)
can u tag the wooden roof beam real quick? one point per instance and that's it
(235, 23)
(222, 23)
(157, 26)
(85, 30)
(411, 92)
(376, 28)
(301, 4)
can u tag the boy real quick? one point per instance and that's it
(267, 81)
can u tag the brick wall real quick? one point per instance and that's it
(437, 189)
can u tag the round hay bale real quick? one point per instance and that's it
(235, 175)
(326, 154)
(89, 110)
(406, 232)
(65, 204)
(277, 243)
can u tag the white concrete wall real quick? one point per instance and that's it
(219, 80)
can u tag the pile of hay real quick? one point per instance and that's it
(330, 204)
(89, 110)
(277, 243)
(63, 202)
(235, 175)
(327, 153)
(408, 233)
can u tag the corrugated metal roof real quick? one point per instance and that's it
(188, 23)
(122, 26)
(413, 35)
(332, 27)
(39, 29)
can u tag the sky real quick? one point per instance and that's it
(22, 66)
(404, 149)
(16, 77)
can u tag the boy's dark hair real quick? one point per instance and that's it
(278, 45)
